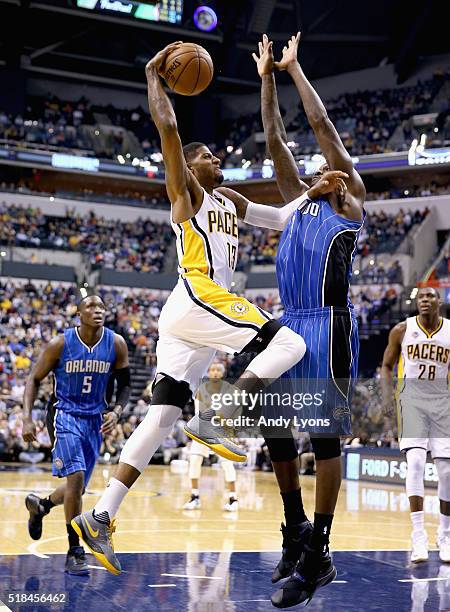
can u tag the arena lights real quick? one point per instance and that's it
(205, 18)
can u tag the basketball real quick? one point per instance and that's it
(188, 70)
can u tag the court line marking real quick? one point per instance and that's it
(166, 552)
(160, 586)
(33, 547)
(260, 600)
(422, 579)
(100, 567)
(192, 576)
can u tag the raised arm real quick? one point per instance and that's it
(327, 136)
(183, 189)
(390, 360)
(288, 179)
(47, 360)
(277, 217)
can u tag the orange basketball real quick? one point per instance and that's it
(188, 70)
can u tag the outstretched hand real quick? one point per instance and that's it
(158, 60)
(289, 56)
(265, 60)
(329, 182)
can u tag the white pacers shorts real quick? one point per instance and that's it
(198, 319)
(425, 423)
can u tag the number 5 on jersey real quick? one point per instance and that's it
(87, 384)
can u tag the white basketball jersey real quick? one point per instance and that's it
(425, 357)
(208, 243)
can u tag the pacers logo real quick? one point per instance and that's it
(58, 463)
(239, 309)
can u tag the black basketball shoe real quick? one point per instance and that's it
(294, 539)
(37, 513)
(76, 562)
(315, 569)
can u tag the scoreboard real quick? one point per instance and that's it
(163, 11)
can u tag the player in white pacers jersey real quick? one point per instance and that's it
(209, 390)
(201, 316)
(421, 348)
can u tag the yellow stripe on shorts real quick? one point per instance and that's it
(228, 306)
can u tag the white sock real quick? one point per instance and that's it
(111, 498)
(418, 520)
(444, 524)
(196, 492)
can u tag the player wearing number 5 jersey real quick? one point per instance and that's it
(82, 360)
(420, 346)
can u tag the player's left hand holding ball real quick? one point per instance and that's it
(109, 422)
(29, 431)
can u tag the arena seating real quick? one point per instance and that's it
(366, 120)
(142, 246)
(139, 246)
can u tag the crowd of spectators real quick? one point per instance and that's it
(377, 272)
(365, 120)
(142, 245)
(383, 232)
(415, 191)
(139, 245)
(374, 303)
(137, 198)
(31, 314)
(49, 122)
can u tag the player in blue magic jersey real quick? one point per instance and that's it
(314, 265)
(83, 360)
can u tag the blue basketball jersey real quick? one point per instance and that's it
(315, 257)
(82, 373)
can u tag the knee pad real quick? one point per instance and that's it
(261, 341)
(280, 448)
(229, 470)
(416, 459)
(326, 448)
(195, 466)
(443, 470)
(167, 390)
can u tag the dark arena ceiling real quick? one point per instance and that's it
(55, 37)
